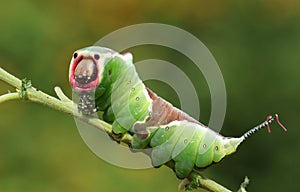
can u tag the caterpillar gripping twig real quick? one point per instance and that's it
(164, 132)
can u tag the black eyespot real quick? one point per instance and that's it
(75, 55)
(96, 56)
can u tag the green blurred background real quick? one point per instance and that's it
(256, 44)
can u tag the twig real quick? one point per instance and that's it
(244, 185)
(60, 94)
(8, 97)
(195, 181)
(64, 104)
(25, 91)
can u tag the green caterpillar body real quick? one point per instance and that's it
(169, 134)
(187, 144)
(124, 100)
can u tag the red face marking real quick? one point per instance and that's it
(78, 75)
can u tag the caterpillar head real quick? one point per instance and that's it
(86, 67)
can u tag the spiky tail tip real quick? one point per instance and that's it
(266, 123)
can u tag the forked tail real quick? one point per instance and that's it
(266, 123)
